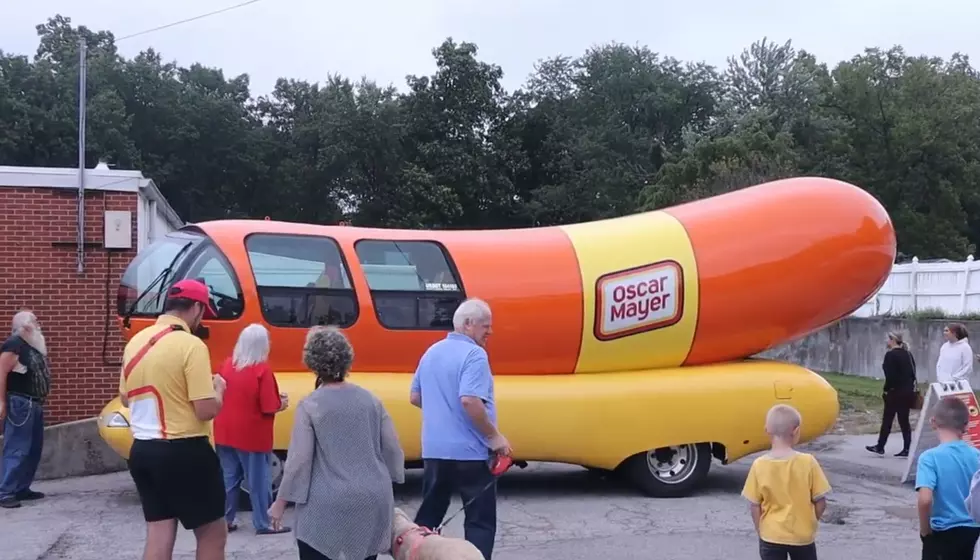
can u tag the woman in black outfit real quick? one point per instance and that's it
(898, 393)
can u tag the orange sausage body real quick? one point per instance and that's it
(780, 260)
(766, 264)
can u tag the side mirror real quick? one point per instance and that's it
(202, 332)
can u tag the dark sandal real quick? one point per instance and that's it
(271, 531)
(232, 527)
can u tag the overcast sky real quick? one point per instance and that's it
(388, 39)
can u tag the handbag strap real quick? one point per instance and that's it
(128, 369)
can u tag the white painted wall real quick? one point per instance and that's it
(953, 287)
(152, 221)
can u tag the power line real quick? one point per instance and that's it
(202, 16)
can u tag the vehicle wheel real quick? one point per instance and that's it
(670, 472)
(275, 473)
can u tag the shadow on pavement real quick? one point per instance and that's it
(542, 480)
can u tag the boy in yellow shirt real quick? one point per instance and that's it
(787, 490)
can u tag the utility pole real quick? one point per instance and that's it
(82, 83)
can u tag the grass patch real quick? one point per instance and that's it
(860, 403)
(931, 314)
(856, 392)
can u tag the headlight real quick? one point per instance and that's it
(115, 420)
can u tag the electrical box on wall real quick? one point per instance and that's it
(118, 230)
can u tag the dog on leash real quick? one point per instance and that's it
(411, 542)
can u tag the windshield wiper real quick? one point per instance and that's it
(221, 295)
(160, 279)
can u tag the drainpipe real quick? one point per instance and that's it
(82, 82)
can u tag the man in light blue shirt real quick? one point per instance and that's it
(453, 386)
(942, 480)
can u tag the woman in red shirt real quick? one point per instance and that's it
(243, 428)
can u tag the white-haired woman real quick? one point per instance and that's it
(343, 456)
(244, 427)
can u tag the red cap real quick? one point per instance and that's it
(194, 290)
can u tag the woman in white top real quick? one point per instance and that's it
(955, 357)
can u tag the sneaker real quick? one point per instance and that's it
(875, 449)
(902, 453)
(29, 495)
(9, 503)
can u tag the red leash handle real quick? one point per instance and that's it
(498, 466)
(503, 463)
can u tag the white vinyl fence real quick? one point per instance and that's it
(953, 287)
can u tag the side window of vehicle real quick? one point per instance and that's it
(302, 280)
(212, 268)
(414, 284)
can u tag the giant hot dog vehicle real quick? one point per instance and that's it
(617, 344)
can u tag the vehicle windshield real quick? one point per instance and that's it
(147, 267)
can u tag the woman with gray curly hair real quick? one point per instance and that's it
(343, 456)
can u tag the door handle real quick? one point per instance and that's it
(783, 390)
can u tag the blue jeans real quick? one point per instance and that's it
(443, 478)
(23, 436)
(236, 464)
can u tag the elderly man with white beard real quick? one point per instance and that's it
(25, 380)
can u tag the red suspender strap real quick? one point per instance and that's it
(142, 353)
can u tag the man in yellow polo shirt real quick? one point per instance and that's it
(167, 384)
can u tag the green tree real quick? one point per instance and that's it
(913, 142)
(615, 130)
(600, 127)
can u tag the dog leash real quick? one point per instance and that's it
(500, 465)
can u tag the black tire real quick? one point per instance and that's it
(669, 472)
(596, 472)
(278, 461)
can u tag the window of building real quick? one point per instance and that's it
(212, 268)
(414, 284)
(302, 280)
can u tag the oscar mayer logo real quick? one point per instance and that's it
(638, 300)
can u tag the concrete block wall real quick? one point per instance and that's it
(856, 346)
(75, 449)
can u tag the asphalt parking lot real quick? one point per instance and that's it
(546, 512)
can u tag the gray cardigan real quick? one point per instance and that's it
(343, 457)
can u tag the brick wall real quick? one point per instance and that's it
(38, 271)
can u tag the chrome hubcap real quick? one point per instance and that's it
(672, 465)
(275, 473)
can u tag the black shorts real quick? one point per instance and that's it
(178, 479)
